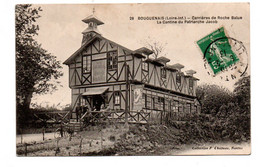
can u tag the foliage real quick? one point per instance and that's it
(231, 121)
(37, 70)
(212, 97)
(68, 107)
(242, 92)
(37, 107)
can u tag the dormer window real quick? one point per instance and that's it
(191, 83)
(163, 72)
(178, 78)
(112, 59)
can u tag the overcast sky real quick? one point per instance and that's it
(61, 27)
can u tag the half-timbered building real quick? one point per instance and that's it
(103, 72)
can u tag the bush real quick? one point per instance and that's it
(221, 120)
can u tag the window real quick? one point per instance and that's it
(148, 102)
(180, 108)
(117, 98)
(145, 100)
(188, 108)
(153, 103)
(86, 64)
(161, 103)
(163, 72)
(181, 113)
(175, 106)
(112, 60)
(156, 104)
(178, 78)
(144, 65)
(191, 83)
(167, 105)
(170, 105)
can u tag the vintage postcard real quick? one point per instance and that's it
(133, 79)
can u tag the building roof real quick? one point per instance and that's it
(189, 76)
(154, 62)
(162, 59)
(73, 56)
(90, 29)
(92, 18)
(177, 66)
(144, 50)
(170, 68)
(95, 91)
(98, 36)
(190, 72)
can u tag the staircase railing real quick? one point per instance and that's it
(84, 115)
(66, 115)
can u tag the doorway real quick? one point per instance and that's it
(98, 100)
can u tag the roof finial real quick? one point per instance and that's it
(93, 10)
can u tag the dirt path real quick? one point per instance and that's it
(29, 138)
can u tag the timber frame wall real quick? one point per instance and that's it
(168, 88)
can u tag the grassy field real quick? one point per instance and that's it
(92, 140)
(130, 140)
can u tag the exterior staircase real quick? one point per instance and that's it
(76, 126)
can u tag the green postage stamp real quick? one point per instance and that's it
(217, 50)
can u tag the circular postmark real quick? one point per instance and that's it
(226, 58)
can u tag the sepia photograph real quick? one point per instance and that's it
(133, 79)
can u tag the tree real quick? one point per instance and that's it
(37, 70)
(212, 97)
(242, 92)
(158, 48)
(242, 96)
(232, 118)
